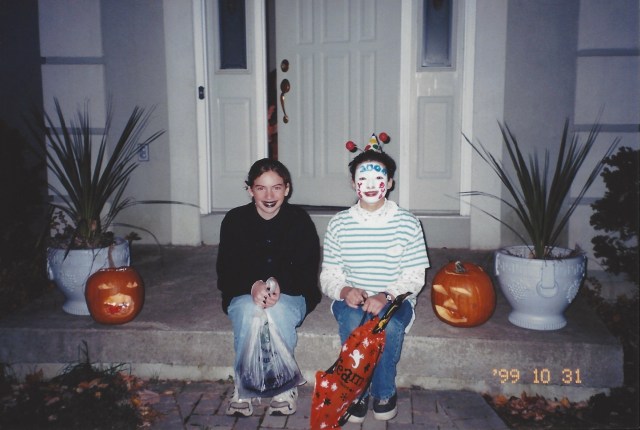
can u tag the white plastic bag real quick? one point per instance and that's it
(266, 367)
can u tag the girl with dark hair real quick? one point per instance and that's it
(268, 256)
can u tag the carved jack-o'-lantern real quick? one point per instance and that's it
(462, 295)
(114, 295)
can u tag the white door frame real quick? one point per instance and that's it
(406, 97)
(202, 108)
(203, 117)
(469, 55)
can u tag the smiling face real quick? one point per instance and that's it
(268, 192)
(371, 184)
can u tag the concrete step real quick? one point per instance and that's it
(182, 333)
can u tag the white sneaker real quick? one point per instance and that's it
(284, 404)
(238, 406)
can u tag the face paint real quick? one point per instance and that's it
(371, 183)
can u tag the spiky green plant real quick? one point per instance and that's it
(538, 200)
(93, 180)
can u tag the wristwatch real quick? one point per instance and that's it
(387, 296)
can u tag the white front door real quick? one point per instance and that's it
(235, 101)
(343, 79)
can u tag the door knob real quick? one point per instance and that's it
(285, 87)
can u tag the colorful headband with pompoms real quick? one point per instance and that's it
(372, 145)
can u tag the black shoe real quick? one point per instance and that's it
(385, 410)
(358, 410)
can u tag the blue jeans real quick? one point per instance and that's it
(287, 314)
(383, 384)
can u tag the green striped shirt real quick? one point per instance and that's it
(373, 253)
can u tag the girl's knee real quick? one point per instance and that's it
(241, 303)
(395, 327)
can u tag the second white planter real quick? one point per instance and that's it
(539, 291)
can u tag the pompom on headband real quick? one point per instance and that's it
(372, 145)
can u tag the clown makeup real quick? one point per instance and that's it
(268, 192)
(371, 184)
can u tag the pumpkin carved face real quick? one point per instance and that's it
(114, 295)
(462, 295)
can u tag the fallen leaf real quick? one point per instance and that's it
(500, 400)
(52, 400)
(148, 397)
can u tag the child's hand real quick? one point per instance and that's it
(353, 297)
(265, 294)
(375, 304)
(273, 292)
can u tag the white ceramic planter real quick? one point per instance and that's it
(539, 291)
(70, 273)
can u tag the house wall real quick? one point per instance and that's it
(540, 77)
(135, 75)
(488, 106)
(567, 59)
(72, 67)
(132, 53)
(540, 69)
(534, 65)
(181, 102)
(607, 79)
(149, 62)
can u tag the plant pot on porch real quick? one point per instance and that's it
(540, 280)
(539, 290)
(92, 182)
(70, 273)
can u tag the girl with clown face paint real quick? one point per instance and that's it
(372, 178)
(373, 252)
(371, 183)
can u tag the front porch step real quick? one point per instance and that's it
(182, 333)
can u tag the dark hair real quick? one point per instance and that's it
(269, 165)
(380, 157)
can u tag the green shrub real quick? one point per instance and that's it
(617, 215)
(84, 396)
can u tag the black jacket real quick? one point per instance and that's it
(252, 248)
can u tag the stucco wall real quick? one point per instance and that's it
(135, 75)
(488, 107)
(540, 68)
(540, 76)
(138, 68)
(608, 79)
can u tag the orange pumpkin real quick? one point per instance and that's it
(114, 295)
(462, 295)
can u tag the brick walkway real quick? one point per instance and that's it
(201, 405)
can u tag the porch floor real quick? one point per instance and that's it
(182, 333)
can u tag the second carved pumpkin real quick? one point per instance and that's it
(462, 295)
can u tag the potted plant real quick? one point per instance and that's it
(93, 178)
(539, 278)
